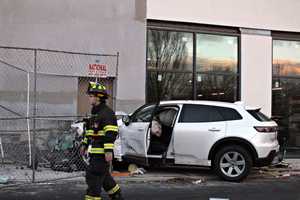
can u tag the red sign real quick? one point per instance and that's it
(99, 70)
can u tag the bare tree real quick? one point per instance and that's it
(167, 59)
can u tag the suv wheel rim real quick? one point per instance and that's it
(232, 164)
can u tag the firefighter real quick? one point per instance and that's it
(98, 142)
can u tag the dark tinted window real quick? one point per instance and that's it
(200, 113)
(259, 115)
(229, 114)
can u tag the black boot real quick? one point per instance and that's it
(117, 196)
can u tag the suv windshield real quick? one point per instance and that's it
(259, 115)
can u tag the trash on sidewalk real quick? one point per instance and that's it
(295, 173)
(276, 171)
(186, 179)
(198, 182)
(284, 175)
(272, 172)
(120, 174)
(134, 170)
(281, 164)
(138, 171)
(4, 179)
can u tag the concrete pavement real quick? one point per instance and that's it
(195, 175)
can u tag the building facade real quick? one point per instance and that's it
(217, 50)
(228, 50)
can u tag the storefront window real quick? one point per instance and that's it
(184, 65)
(169, 65)
(217, 67)
(216, 87)
(216, 53)
(170, 87)
(286, 90)
(286, 58)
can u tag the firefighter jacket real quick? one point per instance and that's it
(101, 130)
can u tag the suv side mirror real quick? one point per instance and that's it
(126, 120)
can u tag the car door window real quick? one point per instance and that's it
(167, 116)
(143, 114)
(199, 113)
(229, 114)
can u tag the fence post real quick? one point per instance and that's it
(28, 119)
(116, 83)
(34, 117)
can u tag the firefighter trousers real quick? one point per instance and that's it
(98, 177)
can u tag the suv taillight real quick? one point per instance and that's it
(266, 129)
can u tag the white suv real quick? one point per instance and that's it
(228, 137)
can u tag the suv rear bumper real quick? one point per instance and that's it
(267, 160)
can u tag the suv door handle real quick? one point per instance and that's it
(214, 130)
(140, 129)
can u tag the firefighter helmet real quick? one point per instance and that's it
(97, 89)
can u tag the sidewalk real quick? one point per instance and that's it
(205, 175)
(190, 175)
(294, 164)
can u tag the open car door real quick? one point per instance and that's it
(135, 135)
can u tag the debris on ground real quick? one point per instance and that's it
(133, 169)
(285, 175)
(120, 174)
(197, 182)
(186, 180)
(279, 170)
(295, 173)
(4, 179)
(138, 171)
(282, 164)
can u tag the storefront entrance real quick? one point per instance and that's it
(286, 94)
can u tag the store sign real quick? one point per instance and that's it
(97, 70)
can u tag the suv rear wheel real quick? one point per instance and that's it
(232, 163)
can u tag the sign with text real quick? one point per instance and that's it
(97, 70)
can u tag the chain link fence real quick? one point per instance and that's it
(42, 92)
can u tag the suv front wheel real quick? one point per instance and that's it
(232, 163)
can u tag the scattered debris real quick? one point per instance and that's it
(282, 164)
(138, 171)
(197, 182)
(295, 173)
(132, 167)
(285, 175)
(280, 170)
(179, 180)
(135, 170)
(4, 179)
(120, 174)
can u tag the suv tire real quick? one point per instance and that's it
(232, 163)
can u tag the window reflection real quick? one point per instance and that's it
(170, 51)
(172, 75)
(169, 65)
(286, 108)
(286, 90)
(216, 87)
(172, 86)
(286, 58)
(216, 53)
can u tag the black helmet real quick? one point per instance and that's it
(97, 89)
